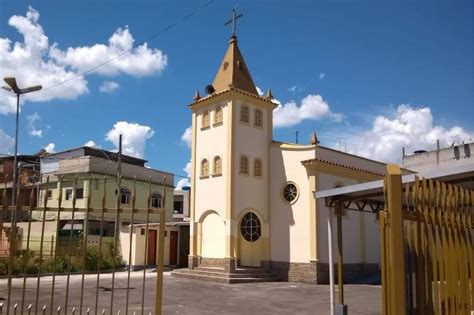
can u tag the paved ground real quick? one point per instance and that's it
(196, 297)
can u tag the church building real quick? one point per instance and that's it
(252, 207)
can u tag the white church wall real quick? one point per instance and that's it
(361, 239)
(290, 228)
(211, 191)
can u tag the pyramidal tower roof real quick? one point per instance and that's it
(233, 71)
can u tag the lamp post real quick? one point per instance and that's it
(13, 87)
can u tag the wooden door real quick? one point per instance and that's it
(173, 248)
(250, 243)
(151, 255)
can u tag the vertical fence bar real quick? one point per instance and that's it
(13, 244)
(470, 221)
(428, 303)
(38, 278)
(104, 200)
(340, 255)
(452, 260)
(116, 240)
(464, 250)
(130, 243)
(148, 207)
(56, 249)
(27, 253)
(431, 215)
(396, 254)
(445, 252)
(161, 251)
(85, 231)
(409, 238)
(3, 210)
(71, 233)
(438, 219)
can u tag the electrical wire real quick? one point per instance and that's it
(167, 28)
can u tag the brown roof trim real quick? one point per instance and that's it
(312, 161)
(232, 89)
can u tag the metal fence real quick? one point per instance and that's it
(427, 247)
(38, 269)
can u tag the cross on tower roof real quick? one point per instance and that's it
(233, 20)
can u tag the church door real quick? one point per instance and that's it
(250, 241)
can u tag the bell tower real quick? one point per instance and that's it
(231, 142)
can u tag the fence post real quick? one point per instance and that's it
(396, 272)
(52, 246)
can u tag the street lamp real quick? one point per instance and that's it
(13, 87)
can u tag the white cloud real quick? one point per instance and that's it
(292, 89)
(134, 137)
(6, 143)
(186, 137)
(259, 91)
(34, 61)
(108, 86)
(322, 75)
(409, 127)
(185, 181)
(91, 144)
(50, 148)
(31, 126)
(312, 107)
(139, 61)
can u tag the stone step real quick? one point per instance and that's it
(224, 278)
(240, 270)
(230, 275)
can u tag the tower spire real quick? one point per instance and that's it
(233, 71)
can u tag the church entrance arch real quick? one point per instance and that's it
(213, 236)
(250, 240)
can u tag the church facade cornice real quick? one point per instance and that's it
(232, 93)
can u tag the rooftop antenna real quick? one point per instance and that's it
(296, 135)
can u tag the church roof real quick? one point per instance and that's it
(233, 71)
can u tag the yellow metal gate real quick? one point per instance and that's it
(426, 247)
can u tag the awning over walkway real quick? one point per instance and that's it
(369, 196)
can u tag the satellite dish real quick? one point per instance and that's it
(209, 89)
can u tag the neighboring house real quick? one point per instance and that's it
(441, 158)
(28, 179)
(252, 199)
(89, 166)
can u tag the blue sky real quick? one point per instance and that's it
(376, 75)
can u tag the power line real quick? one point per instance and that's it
(167, 28)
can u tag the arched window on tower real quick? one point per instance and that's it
(217, 166)
(244, 165)
(218, 115)
(257, 168)
(204, 168)
(205, 119)
(244, 114)
(258, 118)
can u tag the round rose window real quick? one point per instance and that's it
(290, 192)
(250, 227)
